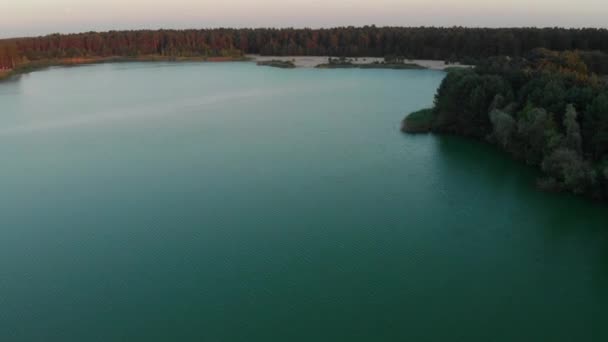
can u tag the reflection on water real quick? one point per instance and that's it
(565, 221)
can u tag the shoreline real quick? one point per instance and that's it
(320, 62)
(68, 62)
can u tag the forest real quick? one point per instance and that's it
(468, 45)
(546, 109)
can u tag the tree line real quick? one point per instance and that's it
(452, 44)
(546, 109)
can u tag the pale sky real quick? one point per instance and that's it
(35, 17)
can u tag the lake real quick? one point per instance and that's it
(230, 202)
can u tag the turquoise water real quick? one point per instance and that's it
(229, 202)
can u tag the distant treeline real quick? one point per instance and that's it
(546, 109)
(453, 44)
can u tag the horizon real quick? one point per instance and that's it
(301, 28)
(38, 18)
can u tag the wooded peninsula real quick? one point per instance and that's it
(546, 109)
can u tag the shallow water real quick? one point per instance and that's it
(229, 202)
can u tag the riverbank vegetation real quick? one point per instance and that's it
(546, 109)
(66, 62)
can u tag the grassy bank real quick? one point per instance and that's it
(419, 122)
(5, 74)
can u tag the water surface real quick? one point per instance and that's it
(229, 202)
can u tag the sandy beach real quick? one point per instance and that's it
(313, 61)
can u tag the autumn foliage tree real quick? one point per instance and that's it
(9, 55)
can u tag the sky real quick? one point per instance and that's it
(37, 17)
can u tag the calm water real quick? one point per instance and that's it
(229, 202)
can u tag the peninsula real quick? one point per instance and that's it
(547, 109)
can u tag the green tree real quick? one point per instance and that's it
(504, 127)
(536, 129)
(573, 139)
(596, 126)
(570, 170)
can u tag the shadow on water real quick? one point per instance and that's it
(568, 224)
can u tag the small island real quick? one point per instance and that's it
(389, 62)
(275, 63)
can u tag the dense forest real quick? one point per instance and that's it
(452, 44)
(546, 109)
